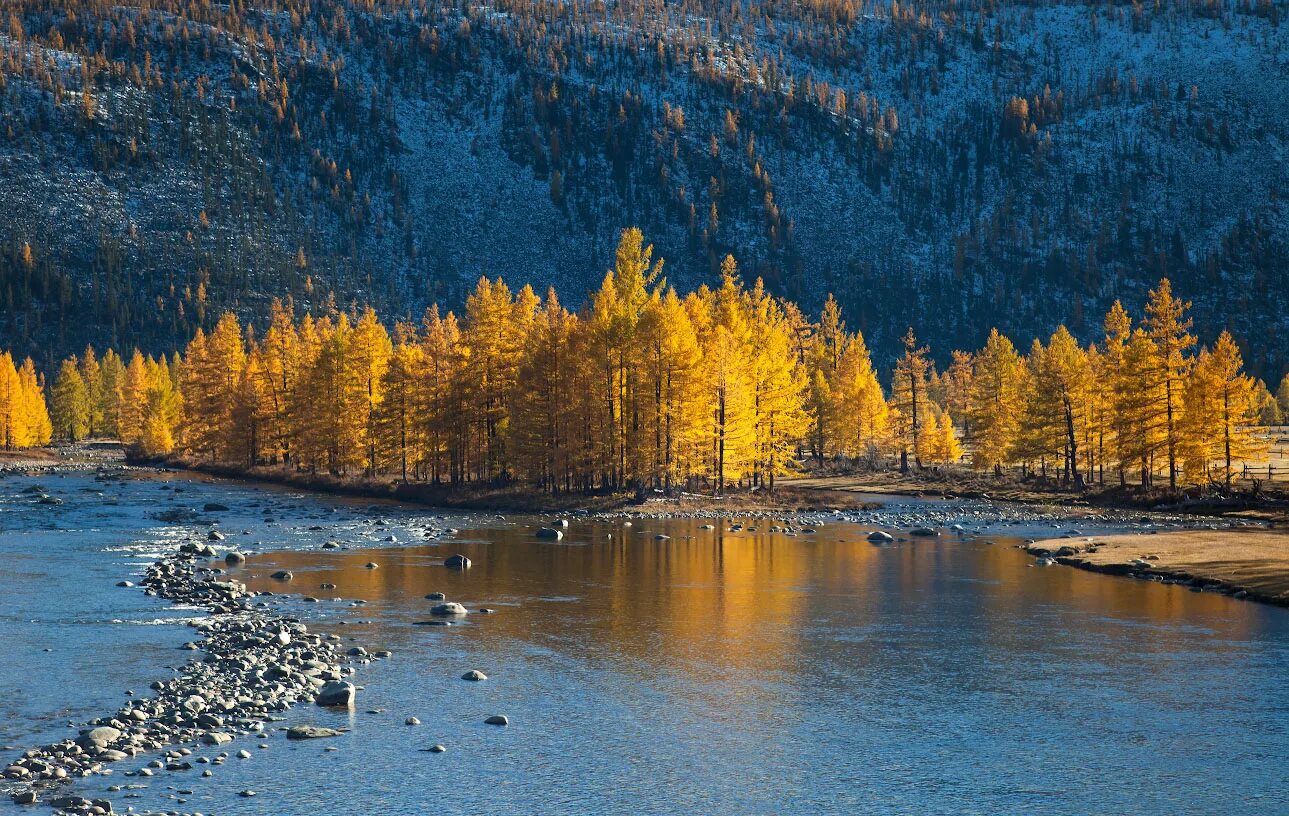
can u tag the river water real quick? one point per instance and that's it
(710, 672)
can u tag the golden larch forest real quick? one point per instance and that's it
(643, 388)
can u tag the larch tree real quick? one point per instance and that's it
(672, 375)
(729, 376)
(1282, 396)
(1115, 386)
(856, 415)
(1268, 407)
(824, 358)
(441, 407)
(212, 373)
(541, 424)
(1057, 402)
(1040, 436)
(1066, 380)
(397, 418)
(252, 407)
(336, 429)
(70, 405)
(308, 420)
(938, 440)
(10, 404)
(995, 403)
(280, 362)
(1096, 405)
(909, 398)
(778, 387)
(1169, 329)
(614, 321)
(112, 373)
(162, 412)
(369, 352)
(1220, 412)
(1139, 406)
(494, 329)
(134, 389)
(92, 374)
(33, 425)
(957, 386)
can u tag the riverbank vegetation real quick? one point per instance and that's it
(645, 388)
(24, 417)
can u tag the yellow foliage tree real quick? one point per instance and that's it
(71, 402)
(909, 399)
(1169, 329)
(1220, 412)
(995, 403)
(24, 421)
(856, 417)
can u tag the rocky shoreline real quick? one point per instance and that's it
(967, 516)
(257, 664)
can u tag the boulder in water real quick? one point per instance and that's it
(100, 737)
(336, 694)
(299, 732)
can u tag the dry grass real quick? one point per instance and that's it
(1253, 560)
(22, 458)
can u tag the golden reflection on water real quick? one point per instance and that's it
(740, 600)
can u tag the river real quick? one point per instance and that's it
(711, 671)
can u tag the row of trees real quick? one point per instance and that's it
(24, 420)
(138, 402)
(645, 388)
(640, 388)
(1140, 401)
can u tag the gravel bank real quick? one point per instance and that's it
(256, 665)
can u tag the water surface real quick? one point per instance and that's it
(710, 672)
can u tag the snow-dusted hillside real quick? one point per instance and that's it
(945, 165)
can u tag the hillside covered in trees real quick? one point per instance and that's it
(949, 165)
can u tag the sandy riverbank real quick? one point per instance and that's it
(1251, 563)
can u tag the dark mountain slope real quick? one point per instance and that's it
(949, 165)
